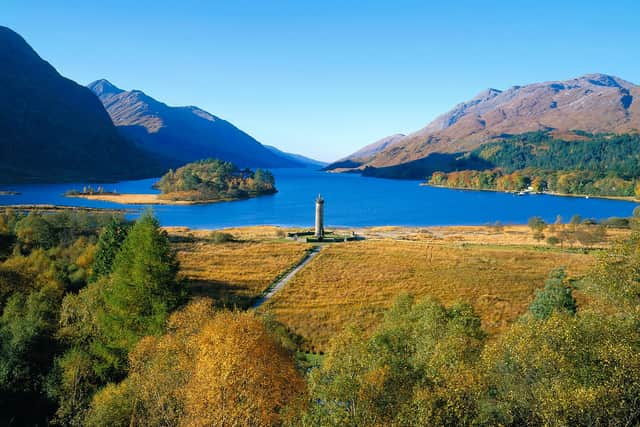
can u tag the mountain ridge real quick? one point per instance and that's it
(182, 133)
(594, 103)
(308, 161)
(53, 129)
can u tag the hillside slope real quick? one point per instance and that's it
(304, 160)
(594, 103)
(54, 130)
(183, 134)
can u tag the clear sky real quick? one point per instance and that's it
(325, 78)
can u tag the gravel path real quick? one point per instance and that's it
(280, 283)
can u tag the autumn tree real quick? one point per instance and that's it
(615, 276)
(241, 375)
(159, 368)
(207, 369)
(415, 368)
(564, 370)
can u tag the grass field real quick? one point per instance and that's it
(233, 273)
(355, 282)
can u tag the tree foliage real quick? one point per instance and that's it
(142, 290)
(555, 297)
(214, 179)
(111, 239)
(607, 165)
(406, 372)
(208, 369)
(563, 370)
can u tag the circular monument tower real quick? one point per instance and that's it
(319, 217)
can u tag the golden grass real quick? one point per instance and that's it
(355, 282)
(474, 234)
(232, 273)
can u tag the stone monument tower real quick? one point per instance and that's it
(319, 217)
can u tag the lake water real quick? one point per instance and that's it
(350, 200)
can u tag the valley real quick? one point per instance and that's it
(482, 270)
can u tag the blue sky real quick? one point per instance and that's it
(325, 78)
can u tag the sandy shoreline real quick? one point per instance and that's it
(142, 199)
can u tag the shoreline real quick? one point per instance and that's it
(58, 208)
(146, 199)
(546, 193)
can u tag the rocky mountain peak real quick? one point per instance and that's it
(104, 87)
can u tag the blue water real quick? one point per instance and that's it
(350, 200)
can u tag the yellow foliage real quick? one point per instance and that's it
(241, 376)
(111, 406)
(565, 371)
(86, 258)
(208, 369)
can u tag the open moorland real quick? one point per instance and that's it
(355, 283)
(495, 270)
(236, 272)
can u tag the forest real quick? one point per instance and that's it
(600, 165)
(213, 179)
(97, 328)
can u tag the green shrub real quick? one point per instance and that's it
(221, 237)
(553, 240)
(555, 297)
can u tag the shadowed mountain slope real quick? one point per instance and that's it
(54, 130)
(182, 134)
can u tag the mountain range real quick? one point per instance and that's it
(52, 129)
(55, 130)
(183, 134)
(307, 161)
(594, 103)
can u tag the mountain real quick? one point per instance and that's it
(306, 161)
(365, 153)
(378, 146)
(54, 130)
(182, 134)
(594, 103)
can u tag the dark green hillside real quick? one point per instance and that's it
(602, 165)
(618, 155)
(52, 129)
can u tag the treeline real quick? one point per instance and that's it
(561, 182)
(96, 329)
(587, 232)
(45, 258)
(213, 179)
(604, 153)
(603, 165)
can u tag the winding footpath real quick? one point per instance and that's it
(280, 283)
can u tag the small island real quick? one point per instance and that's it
(8, 193)
(204, 181)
